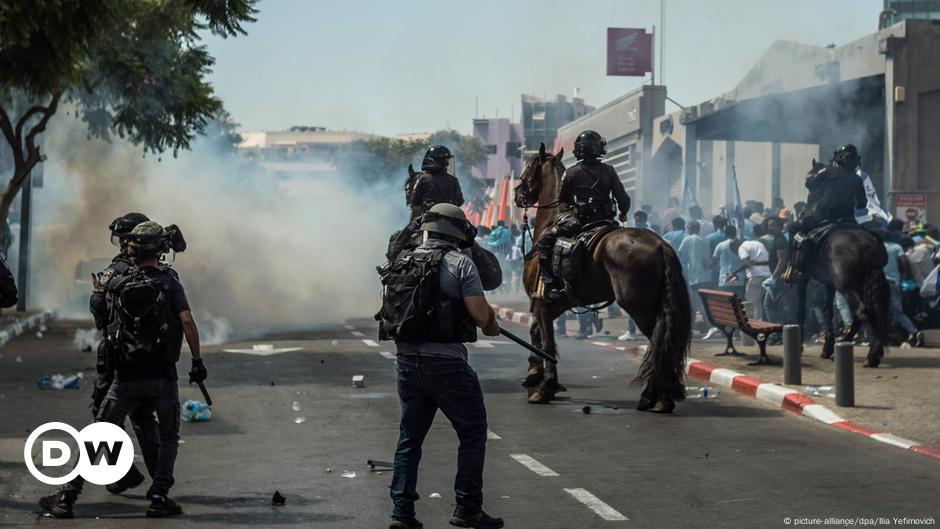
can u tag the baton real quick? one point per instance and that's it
(535, 350)
(202, 388)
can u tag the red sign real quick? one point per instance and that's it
(629, 51)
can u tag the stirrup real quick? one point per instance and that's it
(792, 274)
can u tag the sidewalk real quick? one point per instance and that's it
(901, 397)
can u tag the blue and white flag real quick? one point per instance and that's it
(736, 215)
(874, 211)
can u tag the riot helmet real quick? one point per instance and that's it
(847, 156)
(122, 226)
(450, 220)
(590, 145)
(148, 239)
(436, 159)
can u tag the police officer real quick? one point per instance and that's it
(834, 194)
(433, 185)
(9, 294)
(585, 197)
(433, 372)
(61, 504)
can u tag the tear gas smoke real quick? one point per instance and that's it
(262, 253)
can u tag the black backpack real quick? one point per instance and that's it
(410, 287)
(141, 317)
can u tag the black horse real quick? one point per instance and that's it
(852, 262)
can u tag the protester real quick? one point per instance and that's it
(695, 213)
(715, 237)
(897, 262)
(678, 233)
(694, 255)
(755, 264)
(671, 212)
(726, 257)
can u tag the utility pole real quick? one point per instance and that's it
(662, 41)
(26, 195)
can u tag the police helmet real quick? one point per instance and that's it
(121, 227)
(448, 219)
(847, 156)
(589, 145)
(148, 239)
(436, 159)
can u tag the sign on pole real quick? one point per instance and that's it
(911, 208)
(629, 52)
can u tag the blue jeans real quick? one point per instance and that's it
(426, 384)
(898, 317)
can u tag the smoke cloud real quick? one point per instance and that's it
(262, 253)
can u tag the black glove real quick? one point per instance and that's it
(198, 373)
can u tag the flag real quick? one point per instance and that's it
(736, 215)
(874, 211)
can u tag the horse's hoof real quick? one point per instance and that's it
(663, 406)
(826, 356)
(870, 363)
(534, 376)
(559, 387)
(537, 397)
(645, 404)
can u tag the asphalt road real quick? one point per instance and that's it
(727, 462)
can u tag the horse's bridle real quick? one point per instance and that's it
(537, 177)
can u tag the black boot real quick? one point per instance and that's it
(161, 506)
(130, 480)
(402, 523)
(59, 504)
(476, 520)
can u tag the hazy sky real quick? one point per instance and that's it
(411, 66)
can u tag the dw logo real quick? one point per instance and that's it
(105, 453)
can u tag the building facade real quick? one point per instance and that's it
(504, 142)
(541, 118)
(298, 151)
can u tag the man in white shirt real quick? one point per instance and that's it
(755, 261)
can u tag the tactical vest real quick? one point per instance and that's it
(415, 309)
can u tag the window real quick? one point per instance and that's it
(490, 149)
(512, 149)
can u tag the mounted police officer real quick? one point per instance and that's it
(433, 185)
(61, 504)
(433, 302)
(585, 197)
(835, 192)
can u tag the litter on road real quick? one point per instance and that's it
(278, 499)
(59, 381)
(196, 411)
(358, 381)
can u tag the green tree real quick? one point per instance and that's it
(131, 68)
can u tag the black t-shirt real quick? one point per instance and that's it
(178, 303)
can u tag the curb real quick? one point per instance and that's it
(776, 395)
(27, 324)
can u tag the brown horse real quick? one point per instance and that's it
(633, 266)
(852, 261)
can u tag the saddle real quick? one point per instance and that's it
(805, 246)
(569, 252)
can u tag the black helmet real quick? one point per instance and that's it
(437, 159)
(121, 227)
(589, 145)
(847, 156)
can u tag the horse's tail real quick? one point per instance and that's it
(877, 299)
(664, 363)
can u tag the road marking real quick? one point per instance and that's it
(490, 434)
(387, 354)
(481, 344)
(533, 465)
(349, 327)
(370, 343)
(357, 333)
(334, 342)
(595, 504)
(263, 350)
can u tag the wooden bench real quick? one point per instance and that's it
(726, 312)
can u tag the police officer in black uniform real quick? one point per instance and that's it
(60, 504)
(834, 194)
(433, 185)
(585, 197)
(9, 294)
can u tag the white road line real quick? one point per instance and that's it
(387, 354)
(595, 504)
(357, 333)
(490, 434)
(481, 344)
(334, 342)
(370, 343)
(349, 327)
(533, 465)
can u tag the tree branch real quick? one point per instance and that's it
(23, 120)
(7, 127)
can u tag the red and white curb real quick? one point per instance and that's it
(776, 395)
